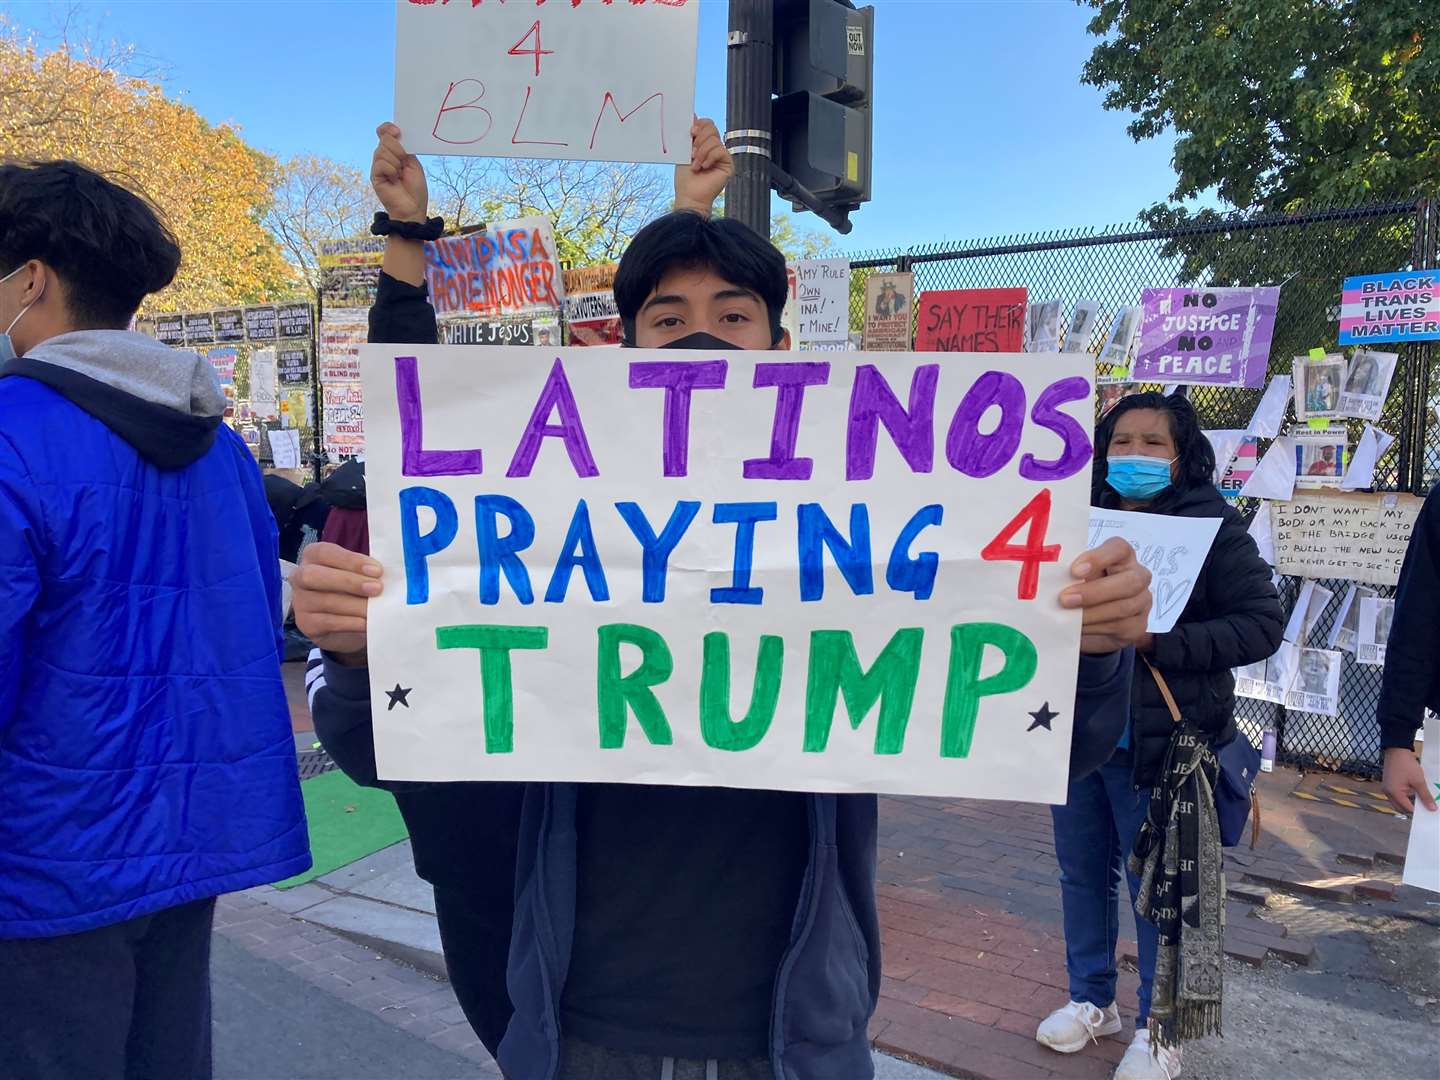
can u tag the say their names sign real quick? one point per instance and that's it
(971, 320)
(578, 79)
(510, 268)
(1356, 536)
(800, 575)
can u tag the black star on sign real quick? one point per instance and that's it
(1042, 716)
(398, 696)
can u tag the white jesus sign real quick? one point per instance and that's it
(731, 569)
(578, 79)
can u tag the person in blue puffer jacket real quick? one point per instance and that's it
(146, 759)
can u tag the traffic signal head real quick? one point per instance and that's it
(821, 120)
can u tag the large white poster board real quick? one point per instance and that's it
(738, 569)
(587, 81)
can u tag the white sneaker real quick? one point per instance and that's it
(1069, 1028)
(1142, 1063)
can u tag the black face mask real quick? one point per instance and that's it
(698, 340)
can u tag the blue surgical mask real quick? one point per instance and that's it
(7, 347)
(1137, 477)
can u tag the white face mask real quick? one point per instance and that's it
(7, 347)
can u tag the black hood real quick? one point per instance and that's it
(166, 438)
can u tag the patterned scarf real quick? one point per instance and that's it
(1182, 891)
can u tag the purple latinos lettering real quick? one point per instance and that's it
(972, 452)
(679, 379)
(872, 403)
(415, 460)
(790, 380)
(1076, 450)
(555, 397)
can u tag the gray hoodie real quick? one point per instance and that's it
(165, 403)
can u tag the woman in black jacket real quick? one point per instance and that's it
(1152, 457)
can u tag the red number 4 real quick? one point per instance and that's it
(1031, 553)
(537, 51)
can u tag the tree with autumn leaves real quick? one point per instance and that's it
(77, 102)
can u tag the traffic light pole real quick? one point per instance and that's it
(750, 76)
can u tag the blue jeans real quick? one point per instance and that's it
(1094, 832)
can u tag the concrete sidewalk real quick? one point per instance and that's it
(380, 905)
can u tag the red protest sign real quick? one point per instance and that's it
(971, 320)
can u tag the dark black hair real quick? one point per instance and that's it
(684, 240)
(107, 245)
(1197, 456)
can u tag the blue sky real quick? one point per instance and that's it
(982, 127)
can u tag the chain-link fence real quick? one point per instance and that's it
(1308, 254)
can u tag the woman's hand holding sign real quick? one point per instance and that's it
(1113, 597)
(331, 589)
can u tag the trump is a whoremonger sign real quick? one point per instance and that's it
(730, 569)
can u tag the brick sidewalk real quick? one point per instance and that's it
(970, 917)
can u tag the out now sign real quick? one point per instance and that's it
(732, 569)
(579, 79)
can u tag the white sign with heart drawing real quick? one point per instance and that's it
(1173, 548)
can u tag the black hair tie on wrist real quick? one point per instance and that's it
(430, 229)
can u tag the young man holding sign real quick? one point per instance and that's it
(679, 931)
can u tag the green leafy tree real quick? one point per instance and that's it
(1280, 106)
(796, 241)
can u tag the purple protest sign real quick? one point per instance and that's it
(1217, 337)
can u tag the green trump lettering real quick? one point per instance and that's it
(716, 725)
(964, 687)
(618, 695)
(835, 670)
(494, 644)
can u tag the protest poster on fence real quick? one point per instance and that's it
(584, 81)
(295, 320)
(1216, 337)
(1113, 363)
(1367, 383)
(1400, 306)
(260, 323)
(823, 303)
(222, 360)
(350, 271)
(292, 362)
(590, 309)
(971, 320)
(343, 420)
(703, 593)
(511, 331)
(510, 268)
(170, 329)
(1355, 536)
(889, 310)
(263, 386)
(230, 325)
(199, 328)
